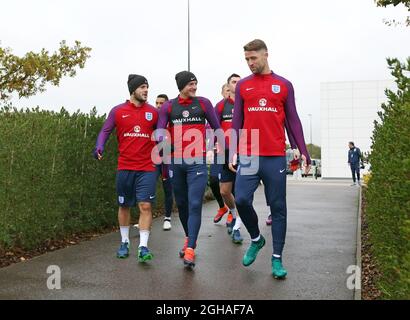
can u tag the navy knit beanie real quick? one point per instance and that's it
(183, 78)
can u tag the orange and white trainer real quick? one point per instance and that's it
(221, 213)
(189, 258)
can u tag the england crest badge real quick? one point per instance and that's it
(148, 116)
(275, 88)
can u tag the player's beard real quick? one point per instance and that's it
(259, 68)
(140, 98)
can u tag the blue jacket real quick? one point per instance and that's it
(354, 155)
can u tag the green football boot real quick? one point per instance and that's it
(278, 271)
(252, 251)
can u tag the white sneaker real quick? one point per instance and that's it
(353, 184)
(136, 226)
(167, 225)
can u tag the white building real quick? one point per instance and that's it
(348, 111)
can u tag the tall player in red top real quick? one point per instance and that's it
(264, 101)
(135, 121)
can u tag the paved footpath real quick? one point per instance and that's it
(321, 245)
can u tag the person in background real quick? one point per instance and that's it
(214, 173)
(225, 91)
(166, 181)
(354, 156)
(224, 114)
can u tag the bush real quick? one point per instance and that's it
(388, 191)
(50, 185)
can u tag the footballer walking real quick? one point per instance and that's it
(264, 101)
(135, 121)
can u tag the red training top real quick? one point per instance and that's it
(135, 126)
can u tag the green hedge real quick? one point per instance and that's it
(388, 192)
(50, 185)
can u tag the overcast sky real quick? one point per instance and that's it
(309, 42)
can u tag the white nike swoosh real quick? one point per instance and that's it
(281, 171)
(192, 79)
(199, 173)
(151, 197)
(125, 116)
(247, 89)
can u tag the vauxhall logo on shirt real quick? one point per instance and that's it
(262, 107)
(137, 133)
(187, 117)
(227, 111)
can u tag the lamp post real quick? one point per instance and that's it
(310, 126)
(189, 40)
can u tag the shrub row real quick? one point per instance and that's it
(50, 185)
(388, 193)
